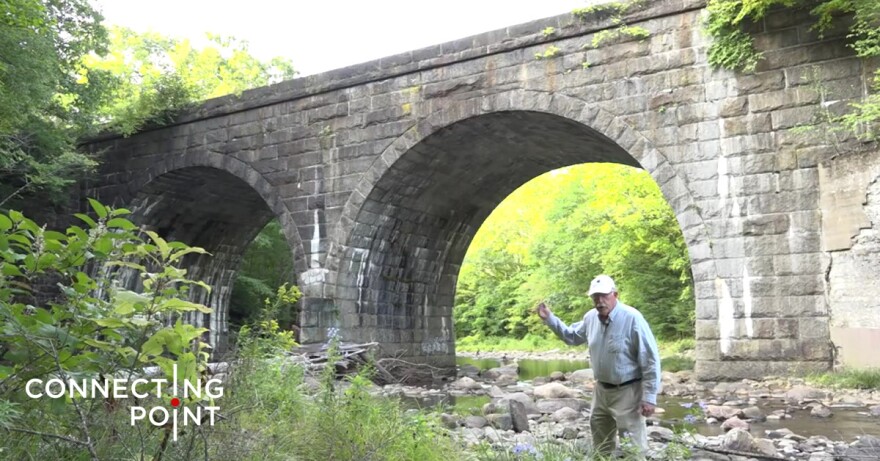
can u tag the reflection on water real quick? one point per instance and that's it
(528, 368)
(845, 425)
(482, 364)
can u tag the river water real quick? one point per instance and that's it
(846, 424)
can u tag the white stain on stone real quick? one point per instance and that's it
(363, 272)
(435, 346)
(316, 242)
(725, 190)
(747, 302)
(726, 322)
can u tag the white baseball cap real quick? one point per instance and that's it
(602, 284)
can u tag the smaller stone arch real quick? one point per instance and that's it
(216, 202)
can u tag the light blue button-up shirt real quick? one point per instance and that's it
(623, 350)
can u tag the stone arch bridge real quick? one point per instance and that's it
(381, 173)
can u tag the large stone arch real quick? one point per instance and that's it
(395, 279)
(216, 202)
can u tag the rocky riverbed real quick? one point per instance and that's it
(728, 421)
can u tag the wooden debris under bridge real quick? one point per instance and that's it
(355, 356)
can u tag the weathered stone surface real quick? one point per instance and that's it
(502, 421)
(521, 398)
(867, 447)
(476, 421)
(466, 383)
(582, 376)
(799, 394)
(734, 423)
(722, 412)
(381, 173)
(753, 414)
(565, 414)
(552, 405)
(821, 411)
(518, 415)
(554, 391)
(737, 439)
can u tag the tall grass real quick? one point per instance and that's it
(852, 378)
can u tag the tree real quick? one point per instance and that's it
(267, 265)
(45, 103)
(550, 237)
(158, 75)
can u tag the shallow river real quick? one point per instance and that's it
(845, 425)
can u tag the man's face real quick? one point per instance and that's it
(604, 302)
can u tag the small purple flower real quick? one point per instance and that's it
(522, 448)
(690, 419)
(703, 405)
(687, 405)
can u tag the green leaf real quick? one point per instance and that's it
(161, 244)
(110, 322)
(104, 346)
(127, 264)
(5, 223)
(120, 223)
(126, 301)
(6, 372)
(10, 270)
(124, 309)
(53, 235)
(85, 218)
(179, 254)
(100, 209)
(153, 346)
(175, 304)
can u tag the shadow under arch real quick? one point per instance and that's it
(219, 204)
(405, 229)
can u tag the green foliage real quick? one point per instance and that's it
(548, 31)
(530, 342)
(92, 327)
(550, 52)
(158, 76)
(616, 12)
(551, 236)
(676, 363)
(612, 8)
(265, 338)
(733, 48)
(58, 83)
(851, 378)
(267, 265)
(604, 36)
(351, 424)
(44, 103)
(681, 346)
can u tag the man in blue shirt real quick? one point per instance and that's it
(625, 362)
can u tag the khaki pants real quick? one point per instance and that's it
(617, 410)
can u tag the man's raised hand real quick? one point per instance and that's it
(542, 311)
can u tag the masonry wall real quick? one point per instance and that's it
(850, 201)
(381, 173)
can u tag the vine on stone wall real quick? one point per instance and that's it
(733, 47)
(616, 11)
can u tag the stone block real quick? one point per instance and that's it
(813, 328)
